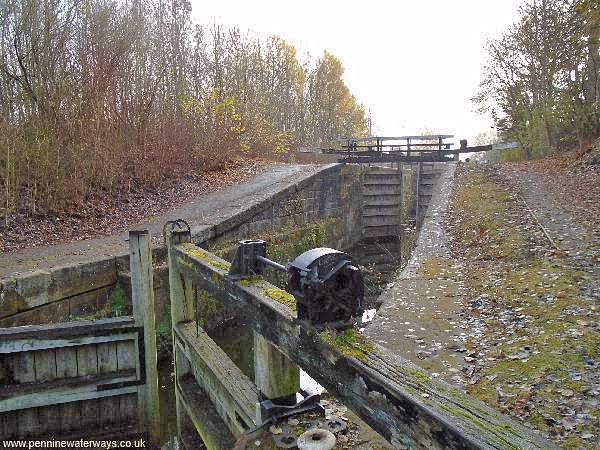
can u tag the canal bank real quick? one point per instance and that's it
(419, 317)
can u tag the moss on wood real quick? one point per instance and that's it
(281, 296)
(349, 343)
(197, 252)
(249, 281)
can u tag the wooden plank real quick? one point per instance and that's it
(418, 187)
(232, 393)
(66, 329)
(396, 158)
(65, 396)
(45, 371)
(9, 422)
(45, 365)
(142, 298)
(49, 418)
(427, 137)
(69, 414)
(108, 407)
(382, 200)
(381, 189)
(401, 149)
(382, 171)
(203, 415)
(275, 376)
(396, 398)
(28, 423)
(181, 310)
(109, 412)
(372, 181)
(376, 210)
(128, 409)
(90, 414)
(182, 307)
(66, 362)
(87, 360)
(22, 345)
(127, 355)
(381, 220)
(23, 367)
(107, 357)
(381, 231)
(70, 417)
(380, 197)
(128, 358)
(59, 391)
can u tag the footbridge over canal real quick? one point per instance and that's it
(406, 149)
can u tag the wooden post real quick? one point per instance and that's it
(463, 146)
(180, 293)
(274, 374)
(142, 297)
(181, 310)
(418, 215)
(400, 199)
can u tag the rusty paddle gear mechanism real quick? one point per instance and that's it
(328, 289)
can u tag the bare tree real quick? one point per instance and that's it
(540, 81)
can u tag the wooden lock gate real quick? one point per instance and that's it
(88, 379)
(393, 396)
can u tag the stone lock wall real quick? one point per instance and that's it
(72, 291)
(334, 192)
(56, 295)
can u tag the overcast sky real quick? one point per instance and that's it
(414, 63)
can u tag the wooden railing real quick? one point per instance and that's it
(396, 398)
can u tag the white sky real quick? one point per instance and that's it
(414, 63)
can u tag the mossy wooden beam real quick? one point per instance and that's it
(233, 394)
(214, 432)
(396, 398)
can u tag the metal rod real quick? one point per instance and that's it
(272, 263)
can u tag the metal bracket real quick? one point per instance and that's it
(177, 223)
(246, 260)
(270, 412)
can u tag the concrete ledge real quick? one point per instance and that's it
(37, 288)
